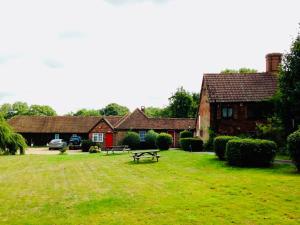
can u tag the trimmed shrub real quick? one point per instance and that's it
(132, 139)
(186, 134)
(86, 144)
(164, 141)
(63, 150)
(250, 152)
(293, 146)
(219, 145)
(94, 149)
(150, 139)
(191, 144)
(208, 145)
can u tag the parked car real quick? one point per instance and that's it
(57, 144)
(75, 142)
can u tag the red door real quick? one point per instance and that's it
(172, 133)
(108, 140)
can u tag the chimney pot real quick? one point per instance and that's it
(273, 61)
(143, 109)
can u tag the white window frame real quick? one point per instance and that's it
(142, 135)
(97, 137)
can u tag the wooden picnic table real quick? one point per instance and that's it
(138, 154)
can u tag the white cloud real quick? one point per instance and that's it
(133, 54)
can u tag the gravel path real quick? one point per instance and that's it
(46, 151)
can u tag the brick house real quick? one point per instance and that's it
(106, 130)
(232, 104)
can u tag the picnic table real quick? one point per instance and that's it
(112, 149)
(138, 154)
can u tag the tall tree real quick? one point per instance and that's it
(114, 109)
(20, 108)
(180, 103)
(157, 112)
(289, 87)
(6, 110)
(87, 112)
(41, 110)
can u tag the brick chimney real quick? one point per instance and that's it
(143, 109)
(273, 61)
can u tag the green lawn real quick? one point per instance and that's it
(183, 188)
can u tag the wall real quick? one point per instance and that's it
(203, 121)
(102, 127)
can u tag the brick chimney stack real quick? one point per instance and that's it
(273, 61)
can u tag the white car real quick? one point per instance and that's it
(57, 144)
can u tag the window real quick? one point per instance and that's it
(142, 136)
(227, 112)
(97, 137)
(56, 136)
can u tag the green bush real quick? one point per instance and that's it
(186, 134)
(132, 139)
(293, 146)
(219, 145)
(86, 144)
(164, 141)
(150, 139)
(208, 145)
(250, 152)
(191, 144)
(63, 150)
(94, 149)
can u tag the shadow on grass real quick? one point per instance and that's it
(145, 161)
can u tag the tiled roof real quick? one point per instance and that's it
(138, 120)
(252, 87)
(57, 124)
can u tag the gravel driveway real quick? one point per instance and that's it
(46, 151)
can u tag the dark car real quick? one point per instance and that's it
(75, 142)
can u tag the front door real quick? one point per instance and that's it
(108, 140)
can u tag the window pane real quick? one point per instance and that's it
(229, 112)
(142, 136)
(101, 137)
(224, 112)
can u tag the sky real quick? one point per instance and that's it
(73, 54)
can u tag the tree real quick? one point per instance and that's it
(195, 104)
(289, 88)
(180, 103)
(241, 70)
(20, 108)
(5, 110)
(156, 112)
(87, 112)
(114, 109)
(41, 110)
(10, 142)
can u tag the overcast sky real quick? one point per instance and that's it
(73, 54)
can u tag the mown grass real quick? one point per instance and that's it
(183, 188)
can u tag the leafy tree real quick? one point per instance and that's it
(41, 110)
(87, 112)
(195, 105)
(289, 88)
(157, 112)
(180, 103)
(6, 110)
(114, 109)
(241, 70)
(10, 142)
(20, 108)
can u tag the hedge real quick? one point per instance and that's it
(132, 139)
(186, 134)
(293, 146)
(150, 139)
(250, 152)
(191, 144)
(164, 141)
(219, 145)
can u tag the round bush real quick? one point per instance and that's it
(250, 152)
(186, 134)
(191, 144)
(150, 139)
(219, 145)
(86, 144)
(164, 141)
(293, 146)
(132, 139)
(94, 149)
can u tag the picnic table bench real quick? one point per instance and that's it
(138, 154)
(118, 148)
